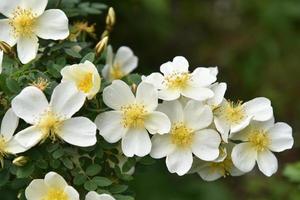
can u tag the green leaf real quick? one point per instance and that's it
(123, 197)
(118, 189)
(292, 171)
(90, 185)
(72, 53)
(93, 170)
(4, 177)
(26, 171)
(13, 85)
(58, 153)
(67, 163)
(90, 57)
(102, 181)
(79, 179)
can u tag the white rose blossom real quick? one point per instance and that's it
(85, 76)
(8, 143)
(132, 117)
(259, 140)
(52, 187)
(119, 65)
(53, 120)
(177, 80)
(232, 117)
(189, 135)
(26, 21)
(95, 196)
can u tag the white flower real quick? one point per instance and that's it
(177, 80)
(8, 144)
(1, 60)
(188, 136)
(259, 140)
(27, 20)
(119, 65)
(132, 117)
(52, 187)
(95, 196)
(232, 117)
(85, 76)
(53, 120)
(219, 90)
(221, 167)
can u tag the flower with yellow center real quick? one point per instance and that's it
(53, 120)
(85, 76)
(119, 65)
(28, 20)
(52, 187)
(8, 144)
(177, 80)
(132, 117)
(259, 140)
(188, 136)
(41, 83)
(95, 196)
(231, 117)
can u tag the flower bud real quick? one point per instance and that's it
(101, 46)
(110, 19)
(6, 48)
(20, 161)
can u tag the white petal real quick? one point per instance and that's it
(206, 144)
(136, 142)
(9, 124)
(244, 157)
(30, 104)
(219, 90)
(209, 174)
(155, 79)
(202, 76)
(197, 93)
(147, 95)
(36, 190)
(267, 162)
(110, 126)
(260, 108)
(214, 70)
(6, 32)
(123, 55)
(27, 48)
(223, 127)
(72, 193)
(13, 147)
(95, 196)
(168, 94)
(173, 109)
(241, 125)
(161, 146)
(29, 137)
(8, 6)
(180, 64)
(37, 6)
(117, 95)
(280, 137)
(180, 161)
(78, 131)
(66, 100)
(197, 116)
(52, 24)
(1, 60)
(54, 180)
(109, 55)
(157, 122)
(130, 65)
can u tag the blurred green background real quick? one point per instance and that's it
(256, 45)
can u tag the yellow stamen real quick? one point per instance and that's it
(232, 112)
(116, 72)
(56, 194)
(86, 83)
(40, 83)
(3, 144)
(259, 139)
(181, 135)
(178, 80)
(23, 22)
(134, 115)
(223, 167)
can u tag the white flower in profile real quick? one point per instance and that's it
(177, 80)
(232, 117)
(53, 120)
(132, 117)
(8, 144)
(1, 60)
(28, 20)
(95, 196)
(85, 76)
(119, 65)
(189, 135)
(259, 140)
(52, 187)
(221, 167)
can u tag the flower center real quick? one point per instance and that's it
(23, 22)
(2, 147)
(56, 194)
(259, 139)
(86, 83)
(181, 135)
(223, 167)
(178, 80)
(233, 112)
(116, 72)
(134, 115)
(50, 124)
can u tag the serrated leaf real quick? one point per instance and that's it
(79, 179)
(93, 170)
(88, 57)
(72, 53)
(90, 185)
(102, 181)
(26, 171)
